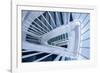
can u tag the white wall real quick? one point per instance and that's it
(5, 35)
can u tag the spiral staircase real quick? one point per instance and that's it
(55, 36)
